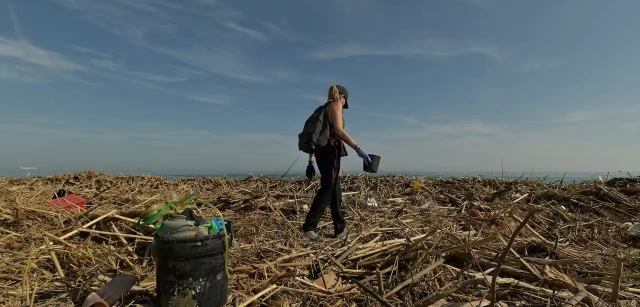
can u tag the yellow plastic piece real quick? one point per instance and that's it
(417, 185)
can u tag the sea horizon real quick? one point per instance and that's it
(547, 176)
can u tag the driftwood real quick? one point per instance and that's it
(452, 242)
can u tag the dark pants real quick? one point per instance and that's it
(329, 193)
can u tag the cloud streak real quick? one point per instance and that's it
(47, 128)
(23, 74)
(217, 50)
(106, 65)
(216, 100)
(579, 116)
(26, 52)
(430, 49)
(246, 31)
(316, 98)
(536, 65)
(418, 129)
(33, 64)
(89, 51)
(598, 116)
(15, 21)
(157, 78)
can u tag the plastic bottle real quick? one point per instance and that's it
(184, 201)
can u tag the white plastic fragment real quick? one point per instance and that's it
(371, 202)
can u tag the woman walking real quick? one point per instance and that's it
(328, 161)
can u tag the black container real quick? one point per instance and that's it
(373, 166)
(191, 272)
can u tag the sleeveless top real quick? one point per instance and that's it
(334, 141)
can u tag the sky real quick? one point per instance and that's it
(225, 86)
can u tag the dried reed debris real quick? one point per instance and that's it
(442, 244)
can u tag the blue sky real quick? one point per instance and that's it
(220, 85)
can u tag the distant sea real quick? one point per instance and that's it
(567, 177)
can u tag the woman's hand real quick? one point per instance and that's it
(311, 170)
(363, 154)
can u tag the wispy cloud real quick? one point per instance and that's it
(32, 64)
(156, 78)
(315, 98)
(106, 64)
(535, 65)
(604, 116)
(49, 62)
(23, 74)
(150, 132)
(26, 52)
(246, 31)
(15, 21)
(215, 50)
(157, 83)
(217, 61)
(187, 71)
(217, 100)
(413, 128)
(407, 120)
(277, 31)
(430, 48)
(479, 2)
(579, 116)
(22, 61)
(89, 51)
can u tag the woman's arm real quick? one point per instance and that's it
(335, 115)
(311, 157)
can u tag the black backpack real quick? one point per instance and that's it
(315, 133)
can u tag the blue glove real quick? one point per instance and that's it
(363, 154)
(311, 170)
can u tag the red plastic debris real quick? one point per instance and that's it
(70, 202)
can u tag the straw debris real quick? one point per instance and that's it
(451, 242)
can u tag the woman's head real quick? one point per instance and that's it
(338, 93)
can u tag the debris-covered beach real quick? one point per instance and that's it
(438, 242)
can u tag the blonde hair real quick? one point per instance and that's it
(334, 93)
